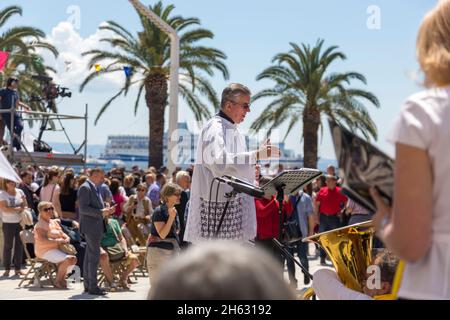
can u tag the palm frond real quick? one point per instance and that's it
(106, 105)
(8, 12)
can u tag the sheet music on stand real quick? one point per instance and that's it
(293, 181)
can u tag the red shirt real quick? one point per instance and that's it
(118, 199)
(330, 201)
(268, 219)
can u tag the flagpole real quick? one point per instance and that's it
(174, 67)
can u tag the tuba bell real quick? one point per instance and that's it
(350, 251)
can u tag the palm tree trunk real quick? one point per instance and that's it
(311, 122)
(156, 98)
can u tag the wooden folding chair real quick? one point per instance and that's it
(142, 268)
(39, 268)
(117, 268)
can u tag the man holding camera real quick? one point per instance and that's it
(9, 99)
(138, 212)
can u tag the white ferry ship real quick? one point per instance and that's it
(133, 150)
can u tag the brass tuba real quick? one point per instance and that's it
(350, 251)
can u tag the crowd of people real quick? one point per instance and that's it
(138, 208)
(105, 216)
(319, 207)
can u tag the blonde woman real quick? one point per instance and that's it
(47, 237)
(417, 227)
(163, 240)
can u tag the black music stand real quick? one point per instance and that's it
(289, 182)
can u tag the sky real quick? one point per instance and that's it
(377, 36)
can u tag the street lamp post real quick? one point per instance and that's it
(174, 66)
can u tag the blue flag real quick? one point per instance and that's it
(128, 71)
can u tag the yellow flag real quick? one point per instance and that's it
(98, 67)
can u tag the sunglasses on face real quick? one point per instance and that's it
(244, 106)
(49, 209)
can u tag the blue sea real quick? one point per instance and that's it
(94, 151)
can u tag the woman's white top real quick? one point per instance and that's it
(12, 201)
(424, 123)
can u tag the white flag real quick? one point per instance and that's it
(7, 171)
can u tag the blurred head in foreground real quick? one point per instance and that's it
(220, 270)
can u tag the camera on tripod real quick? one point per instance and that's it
(50, 90)
(49, 93)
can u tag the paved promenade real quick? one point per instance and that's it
(9, 289)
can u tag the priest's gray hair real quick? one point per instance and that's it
(233, 90)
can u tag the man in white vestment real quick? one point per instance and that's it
(221, 150)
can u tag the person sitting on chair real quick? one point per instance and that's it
(111, 238)
(47, 237)
(327, 285)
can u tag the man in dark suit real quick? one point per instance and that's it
(92, 224)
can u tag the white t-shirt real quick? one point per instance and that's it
(424, 123)
(11, 201)
(327, 286)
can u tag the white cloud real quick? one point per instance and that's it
(71, 66)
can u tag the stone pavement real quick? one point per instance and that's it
(9, 289)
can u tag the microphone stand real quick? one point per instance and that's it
(228, 196)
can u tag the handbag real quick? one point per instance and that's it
(291, 228)
(74, 235)
(291, 231)
(67, 248)
(116, 252)
(27, 218)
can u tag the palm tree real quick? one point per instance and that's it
(24, 61)
(304, 90)
(22, 42)
(148, 54)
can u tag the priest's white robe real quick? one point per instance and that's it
(221, 150)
